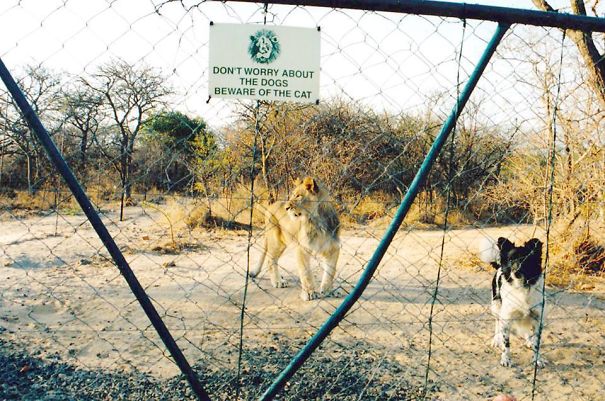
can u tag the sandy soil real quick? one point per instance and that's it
(59, 293)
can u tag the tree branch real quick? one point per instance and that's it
(587, 48)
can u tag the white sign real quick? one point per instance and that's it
(264, 62)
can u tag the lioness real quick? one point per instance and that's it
(309, 221)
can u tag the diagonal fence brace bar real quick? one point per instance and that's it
(134, 284)
(339, 314)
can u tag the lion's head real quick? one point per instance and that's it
(306, 198)
(264, 46)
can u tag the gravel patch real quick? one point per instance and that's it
(354, 375)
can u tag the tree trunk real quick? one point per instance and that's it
(83, 157)
(569, 180)
(123, 178)
(1, 165)
(30, 188)
(127, 181)
(128, 170)
(601, 198)
(587, 49)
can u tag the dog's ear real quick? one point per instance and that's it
(296, 182)
(310, 184)
(504, 245)
(534, 246)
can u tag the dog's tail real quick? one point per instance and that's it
(256, 270)
(489, 251)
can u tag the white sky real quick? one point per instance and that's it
(388, 61)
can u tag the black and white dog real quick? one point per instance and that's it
(517, 296)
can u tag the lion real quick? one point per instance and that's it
(309, 221)
(264, 46)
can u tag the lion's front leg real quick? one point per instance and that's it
(277, 280)
(329, 265)
(306, 277)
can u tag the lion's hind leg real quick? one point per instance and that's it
(261, 261)
(275, 248)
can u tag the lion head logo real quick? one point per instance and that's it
(264, 46)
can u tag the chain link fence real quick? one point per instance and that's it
(182, 181)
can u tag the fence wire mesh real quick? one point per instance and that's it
(183, 181)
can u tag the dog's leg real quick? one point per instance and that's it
(505, 325)
(533, 340)
(497, 341)
(307, 282)
(329, 265)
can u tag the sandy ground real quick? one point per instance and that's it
(60, 294)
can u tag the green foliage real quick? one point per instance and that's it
(208, 163)
(175, 146)
(176, 129)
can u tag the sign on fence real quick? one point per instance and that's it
(264, 62)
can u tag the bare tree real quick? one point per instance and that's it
(129, 95)
(594, 63)
(41, 88)
(584, 41)
(84, 114)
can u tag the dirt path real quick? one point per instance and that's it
(59, 294)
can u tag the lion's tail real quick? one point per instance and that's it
(256, 270)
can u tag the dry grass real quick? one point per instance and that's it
(469, 262)
(50, 197)
(576, 257)
(198, 217)
(577, 254)
(455, 218)
(577, 249)
(429, 212)
(231, 210)
(183, 215)
(42, 200)
(378, 210)
(426, 211)
(23, 203)
(370, 208)
(234, 207)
